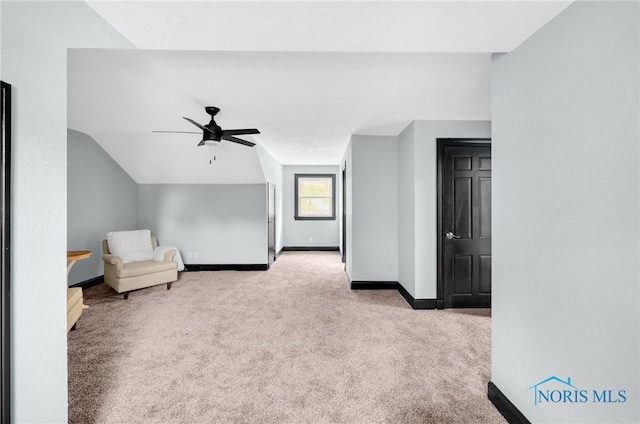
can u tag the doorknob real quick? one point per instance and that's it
(451, 236)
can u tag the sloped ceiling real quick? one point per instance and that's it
(308, 74)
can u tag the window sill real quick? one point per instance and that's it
(314, 218)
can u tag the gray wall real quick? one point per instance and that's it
(101, 197)
(34, 40)
(297, 233)
(566, 206)
(374, 221)
(224, 223)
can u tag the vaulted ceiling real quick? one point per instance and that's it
(308, 74)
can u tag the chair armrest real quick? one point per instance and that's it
(113, 260)
(170, 255)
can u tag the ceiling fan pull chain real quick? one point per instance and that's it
(209, 154)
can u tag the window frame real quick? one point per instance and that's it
(299, 217)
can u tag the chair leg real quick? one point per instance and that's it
(169, 286)
(126, 295)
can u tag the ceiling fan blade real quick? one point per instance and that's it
(201, 142)
(238, 140)
(202, 127)
(240, 132)
(177, 132)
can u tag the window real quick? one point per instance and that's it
(315, 196)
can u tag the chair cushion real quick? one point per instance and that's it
(133, 269)
(74, 306)
(131, 246)
(74, 295)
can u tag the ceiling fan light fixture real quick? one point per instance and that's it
(212, 142)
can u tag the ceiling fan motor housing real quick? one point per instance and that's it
(214, 133)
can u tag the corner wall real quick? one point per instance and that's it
(426, 134)
(101, 197)
(392, 203)
(566, 203)
(34, 40)
(407, 209)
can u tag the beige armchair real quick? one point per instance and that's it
(124, 277)
(75, 306)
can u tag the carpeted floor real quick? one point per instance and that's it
(290, 345)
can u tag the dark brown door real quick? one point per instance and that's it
(271, 208)
(465, 224)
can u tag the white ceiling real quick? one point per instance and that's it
(308, 74)
(329, 26)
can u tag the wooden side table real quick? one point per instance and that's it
(76, 255)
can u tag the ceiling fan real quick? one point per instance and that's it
(212, 133)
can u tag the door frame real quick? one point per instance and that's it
(5, 257)
(272, 259)
(344, 212)
(441, 144)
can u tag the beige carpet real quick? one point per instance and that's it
(290, 345)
